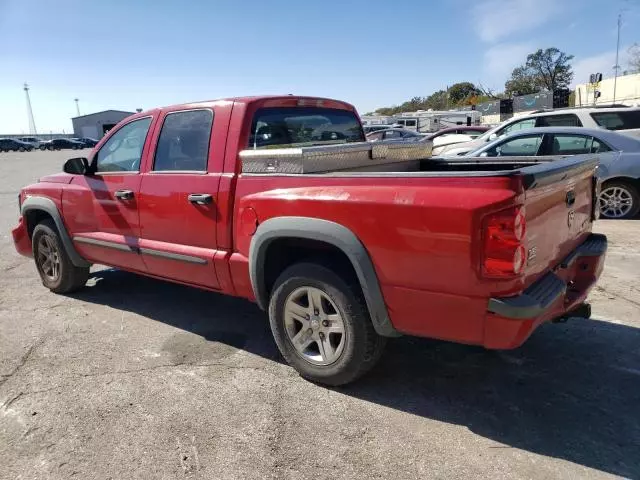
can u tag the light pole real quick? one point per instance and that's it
(32, 122)
(616, 67)
(77, 106)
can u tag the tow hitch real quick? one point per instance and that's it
(581, 311)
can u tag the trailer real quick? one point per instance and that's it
(432, 121)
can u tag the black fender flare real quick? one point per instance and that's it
(328, 232)
(46, 205)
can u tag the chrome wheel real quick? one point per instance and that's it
(48, 258)
(314, 326)
(615, 202)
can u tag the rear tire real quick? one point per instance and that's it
(329, 357)
(619, 200)
(57, 271)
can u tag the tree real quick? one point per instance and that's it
(544, 69)
(488, 93)
(460, 92)
(436, 101)
(521, 83)
(634, 56)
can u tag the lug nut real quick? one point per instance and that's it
(310, 331)
(308, 317)
(325, 323)
(321, 335)
(316, 312)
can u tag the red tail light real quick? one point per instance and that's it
(504, 251)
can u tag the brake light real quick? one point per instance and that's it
(504, 250)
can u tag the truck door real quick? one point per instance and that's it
(178, 209)
(103, 207)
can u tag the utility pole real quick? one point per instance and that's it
(616, 67)
(77, 106)
(32, 122)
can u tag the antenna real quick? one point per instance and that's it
(32, 122)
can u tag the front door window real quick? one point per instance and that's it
(123, 151)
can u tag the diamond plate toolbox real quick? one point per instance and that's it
(331, 158)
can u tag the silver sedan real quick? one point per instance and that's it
(619, 155)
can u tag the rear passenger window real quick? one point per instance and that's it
(183, 144)
(567, 144)
(565, 120)
(627, 120)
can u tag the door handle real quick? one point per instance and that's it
(124, 194)
(200, 198)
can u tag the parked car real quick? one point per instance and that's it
(375, 128)
(452, 135)
(33, 141)
(62, 143)
(11, 144)
(394, 134)
(88, 142)
(472, 131)
(253, 202)
(624, 120)
(619, 160)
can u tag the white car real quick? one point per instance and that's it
(624, 120)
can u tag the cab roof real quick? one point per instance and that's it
(306, 101)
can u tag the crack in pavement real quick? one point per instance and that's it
(169, 365)
(21, 363)
(617, 295)
(21, 394)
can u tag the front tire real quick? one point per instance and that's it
(322, 326)
(56, 270)
(619, 200)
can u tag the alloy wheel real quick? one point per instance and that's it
(615, 202)
(48, 257)
(314, 326)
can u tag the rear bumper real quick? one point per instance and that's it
(21, 239)
(511, 320)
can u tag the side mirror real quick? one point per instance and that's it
(76, 166)
(493, 136)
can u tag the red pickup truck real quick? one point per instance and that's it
(281, 201)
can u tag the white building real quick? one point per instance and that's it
(627, 91)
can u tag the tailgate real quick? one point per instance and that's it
(559, 203)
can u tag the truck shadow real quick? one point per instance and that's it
(571, 392)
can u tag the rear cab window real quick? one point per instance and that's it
(628, 120)
(290, 127)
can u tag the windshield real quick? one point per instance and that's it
(485, 136)
(298, 127)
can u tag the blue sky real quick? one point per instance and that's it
(372, 53)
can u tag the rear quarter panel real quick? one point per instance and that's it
(423, 236)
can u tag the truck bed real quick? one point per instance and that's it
(389, 159)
